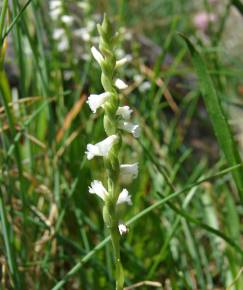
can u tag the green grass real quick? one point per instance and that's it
(185, 228)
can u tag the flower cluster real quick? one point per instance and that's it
(116, 120)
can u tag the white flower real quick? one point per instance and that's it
(124, 196)
(129, 170)
(55, 4)
(83, 33)
(67, 19)
(96, 101)
(97, 188)
(58, 33)
(125, 112)
(63, 44)
(144, 86)
(123, 61)
(55, 13)
(120, 84)
(102, 148)
(97, 55)
(122, 229)
(131, 128)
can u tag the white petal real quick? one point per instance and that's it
(102, 148)
(92, 151)
(122, 61)
(131, 128)
(55, 4)
(58, 33)
(124, 196)
(56, 13)
(82, 33)
(97, 55)
(129, 170)
(125, 112)
(63, 45)
(122, 229)
(67, 19)
(120, 84)
(97, 188)
(96, 101)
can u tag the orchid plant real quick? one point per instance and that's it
(116, 121)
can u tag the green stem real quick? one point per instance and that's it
(115, 238)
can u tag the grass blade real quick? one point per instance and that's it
(159, 203)
(217, 116)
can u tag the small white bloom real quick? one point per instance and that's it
(84, 5)
(55, 4)
(131, 128)
(58, 33)
(63, 45)
(68, 74)
(55, 13)
(125, 112)
(138, 78)
(129, 170)
(122, 61)
(96, 101)
(124, 196)
(67, 19)
(91, 24)
(102, 148)
(97, 55)
(120, 84)
(82, 33)
(97, 188)
(145, 86)
(122, 229)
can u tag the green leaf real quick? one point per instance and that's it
(217, 116)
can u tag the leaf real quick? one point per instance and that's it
(217, 115)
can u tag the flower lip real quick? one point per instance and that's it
(96, 101)
(123, 61)
(124, 196)
(120, 84)
(97, 55)
(125, 112)
(129, 170)
(123, 229)
(131, 128)
(101, 148)
(97, 188)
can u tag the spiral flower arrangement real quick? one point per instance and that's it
(116, 121)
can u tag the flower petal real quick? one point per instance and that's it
(101, 148)
(97, 188)
(131, 128)
(122, 229)
(125, 112)
(120, 84)
(96, 101)
(97, 55)
(124, 196)
(129, 170)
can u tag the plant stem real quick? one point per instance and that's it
(115, 238)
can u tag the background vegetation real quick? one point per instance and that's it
(186, 219)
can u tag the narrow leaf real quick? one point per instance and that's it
(217, 115)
